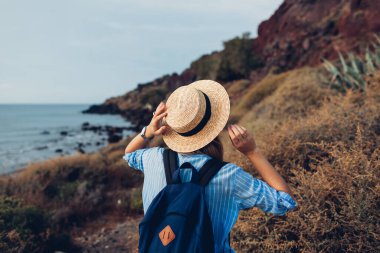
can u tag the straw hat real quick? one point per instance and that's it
(197, 113)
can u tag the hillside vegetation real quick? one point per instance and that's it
(325, 143)
(327, 147)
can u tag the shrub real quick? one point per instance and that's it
(352, 71)
(27, 229)
(238, 59)
(136, 204)
(207, 66)
(153, 96)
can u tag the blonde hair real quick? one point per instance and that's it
(213, 149)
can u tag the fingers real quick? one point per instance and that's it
(231, 133)
(161, 130)
(160, 109)
(160, 113)
(234, 136)
(241, 130)
(237, 130)
(241, 139)
(237, 133)
(160, 116)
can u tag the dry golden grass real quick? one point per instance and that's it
(329, 153)
(258, 93)
(236, 89)
(290, 95)
(77, 188)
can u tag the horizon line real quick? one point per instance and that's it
(47, 103)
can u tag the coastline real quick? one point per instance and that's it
(115, 134)
(34, 133)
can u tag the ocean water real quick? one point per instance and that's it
(30, 133)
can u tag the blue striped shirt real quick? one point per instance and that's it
(231, 190)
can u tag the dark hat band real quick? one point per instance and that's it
(206, 117)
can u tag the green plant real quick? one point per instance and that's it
(207, 66)
(136, 204)
(29, 229)
(22, 228)
(153, 96)
(238, 59)
(68, 190)
(351, 71)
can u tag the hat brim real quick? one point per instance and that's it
(220, 112)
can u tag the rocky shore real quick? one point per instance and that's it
(108, 134)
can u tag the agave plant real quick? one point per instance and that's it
(350, 71)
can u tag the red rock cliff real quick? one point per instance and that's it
(301, 32)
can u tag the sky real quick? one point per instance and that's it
(84, 51)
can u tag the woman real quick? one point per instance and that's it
(190, 122)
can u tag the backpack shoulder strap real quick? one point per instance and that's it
(209, 170)
(170, 164)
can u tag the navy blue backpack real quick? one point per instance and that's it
(177, 220)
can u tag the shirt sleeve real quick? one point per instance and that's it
(135, 159)
(251, 192)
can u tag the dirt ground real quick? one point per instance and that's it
(109, 234)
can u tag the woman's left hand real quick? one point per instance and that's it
(241, 139)
(155, 128)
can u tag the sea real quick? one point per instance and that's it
(31, 133)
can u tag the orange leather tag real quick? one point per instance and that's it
(166, 235)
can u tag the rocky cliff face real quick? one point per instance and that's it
(299, 33)
(137, 105)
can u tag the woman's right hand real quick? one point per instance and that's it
(241, 139)
(155, 128)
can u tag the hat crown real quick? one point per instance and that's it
(186, 108)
